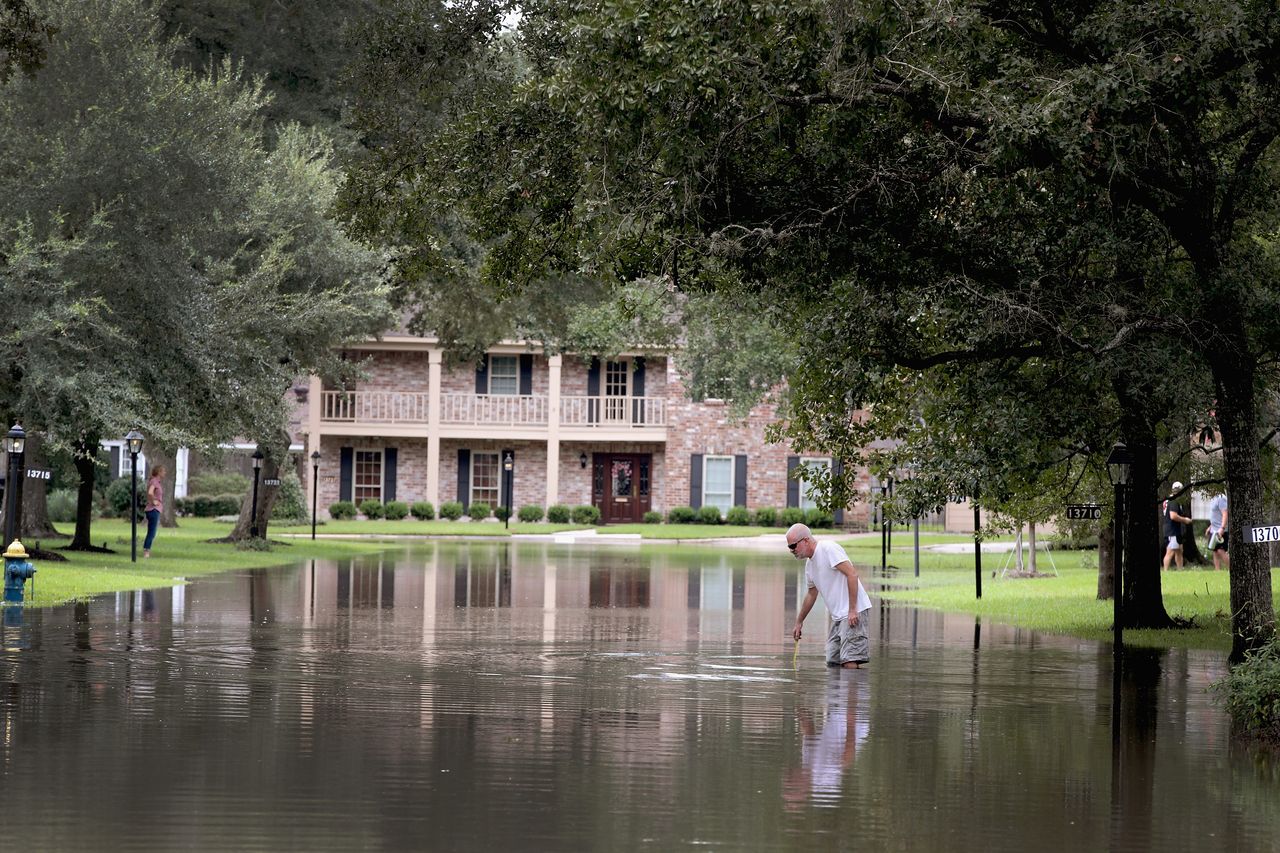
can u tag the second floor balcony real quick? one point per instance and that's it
(499, 412)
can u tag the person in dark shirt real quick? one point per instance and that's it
(1173, 521)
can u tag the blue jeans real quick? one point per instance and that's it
(153, 522)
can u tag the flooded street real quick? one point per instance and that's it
(490, 696)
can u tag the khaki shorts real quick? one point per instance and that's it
(849, 643)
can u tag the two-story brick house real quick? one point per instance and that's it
(619, 434)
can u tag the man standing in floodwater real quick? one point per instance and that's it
(828, 571)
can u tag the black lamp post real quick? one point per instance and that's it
(14, 444)
(1118, 464)
(977, 542)
(133, 442)
(315, 488)
(508, 467)
(253, 511)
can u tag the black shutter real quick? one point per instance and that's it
(740, 480)
(388, 474)
(793, 486)
(464, 478)
(526, 374)
(346, 465)
(507, 480)
(593, 391)
(482, 376)
(637, 391)
(837, 469)
(695, 481)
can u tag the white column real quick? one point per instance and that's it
(314, 404)
(553, 430)
(434, 358)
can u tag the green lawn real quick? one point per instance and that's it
(177, 554)
(413, 527)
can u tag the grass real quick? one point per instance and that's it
(178, 554)
(413, 527)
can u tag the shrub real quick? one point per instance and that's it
(451, 510)
(1251, 692)
(215, 483)
(342, 510)
(118, 496)
(681, 515)
(558, 514)
(766, 516)
(738, 515)
(423, 510)
(653, 517)
(585, 514)
(371, 508)
(501, 513)
(530, 513)
(710, 515)
(819, 518)
(395, 510)
(792, 515)
(62, 505)
(479, 512)
(224, 505)
(291, 501)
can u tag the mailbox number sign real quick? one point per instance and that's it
(1084, 512)
(271, 481)
(39, 474)
(1261, 535)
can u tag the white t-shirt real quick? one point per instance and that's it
(1217, 507)
(820, 571)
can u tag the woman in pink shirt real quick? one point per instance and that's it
(155, 504)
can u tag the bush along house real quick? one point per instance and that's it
(619, 434)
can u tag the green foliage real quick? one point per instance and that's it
(291, 501)
(738, 515)
(530, 513)
(710, 515)
(792, 515)
(213, 506)
(479, 511)
(501, 513)
(118, 495)
(682, 515)
(395, 510)
(558, 514)
(819, 518)
(342, 510)
(1251, 692)
(218, 483)
(62, 506)
(451, 510)
(423, 510)
(652, 517)
(585, 514)
(766, 516)
(371, 508)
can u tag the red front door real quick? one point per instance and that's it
(620, 486)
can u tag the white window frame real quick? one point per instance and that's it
(355, 475)
(514, 375)
(497, 488)
(706, 460)
(806, 502)
(617, 407)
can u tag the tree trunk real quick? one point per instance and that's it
(161, 455)
(35, 523)
(266, 496)
(85, 457)
(1106, 562)
(1252, 612)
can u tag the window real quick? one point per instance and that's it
(485, 479)
(808, 501)
(717, 482)
(504, 374)
(617, 378)
(367, 482)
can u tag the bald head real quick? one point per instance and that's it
(796, 532)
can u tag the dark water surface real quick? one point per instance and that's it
(525, 697)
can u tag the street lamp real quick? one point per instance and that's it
(582, 459)
(315, 488)
(14, 444)
(508, 466)
(1118, 464)
(133, 441)
(253, 511)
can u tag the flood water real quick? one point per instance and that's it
(492, 696)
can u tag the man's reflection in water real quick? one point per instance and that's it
(827, 748)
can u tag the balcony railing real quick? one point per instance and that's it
(401, 407)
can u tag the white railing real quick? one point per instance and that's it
(384, 407)
(506, 409)
(613, 411)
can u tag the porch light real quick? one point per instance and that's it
(582, 459)
(16, 440)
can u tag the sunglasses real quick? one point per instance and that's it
(791, 546)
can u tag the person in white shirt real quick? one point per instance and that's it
(829, 572)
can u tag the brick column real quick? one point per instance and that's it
(553, 429)
(434, 358)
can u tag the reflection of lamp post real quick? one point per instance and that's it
(508, 467)
(315, 488)
(1118, 472)
(134, 441)
(14, 444)
(257, 471)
